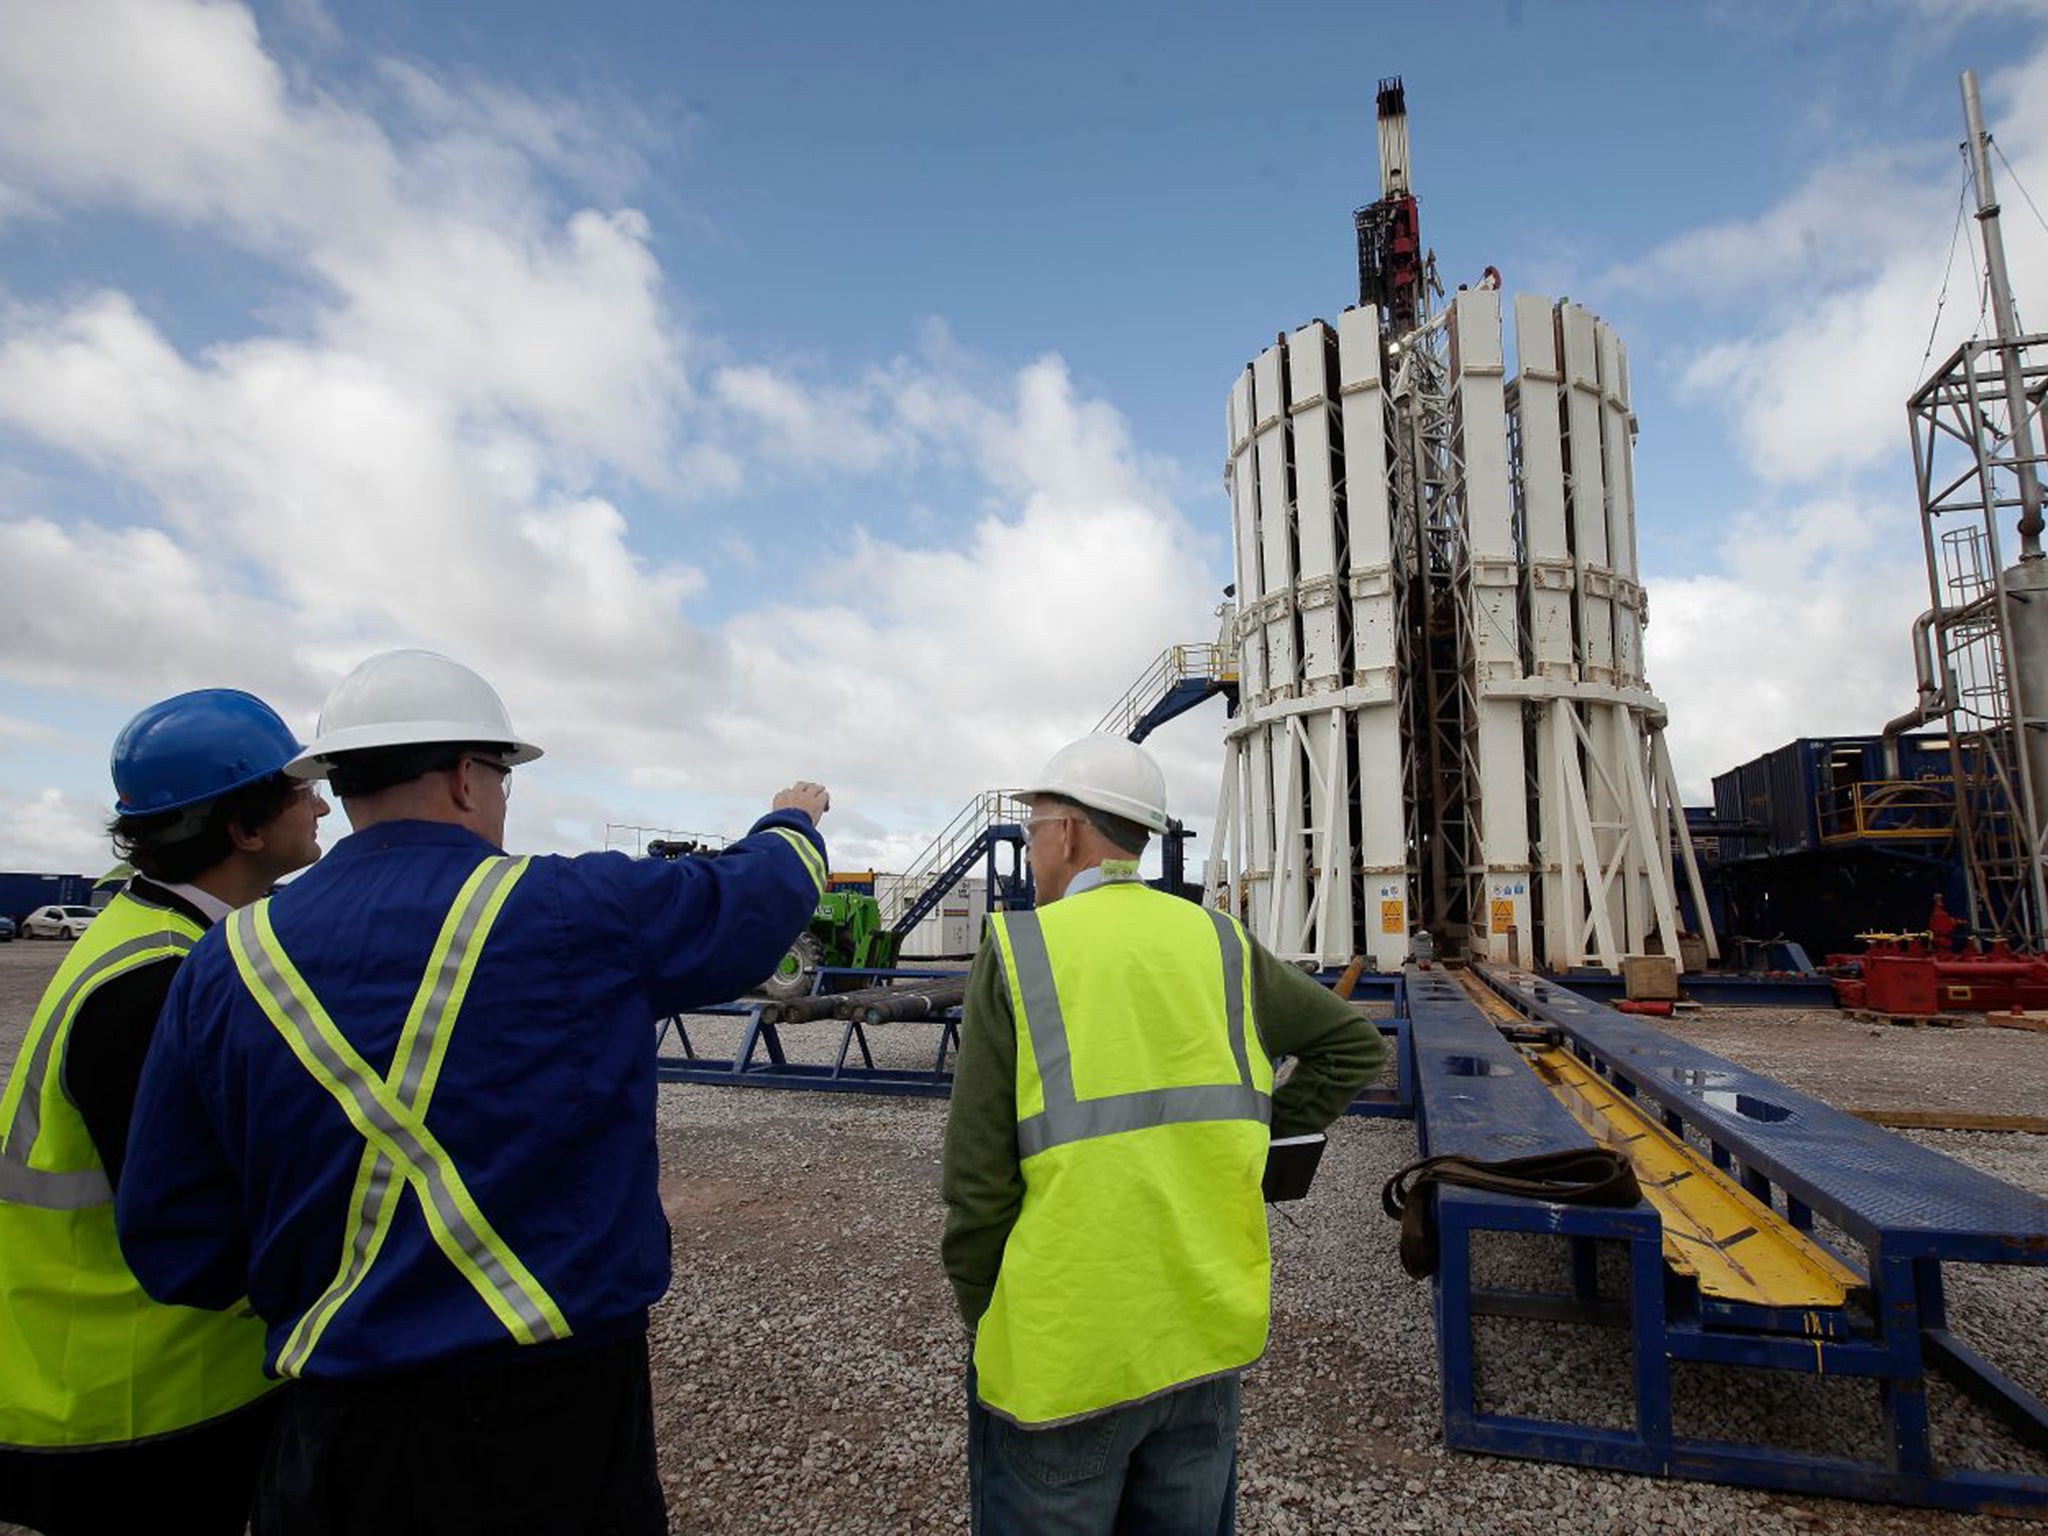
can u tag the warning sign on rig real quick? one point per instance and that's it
(1500, 914)
(1393, 916)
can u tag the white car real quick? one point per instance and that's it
(57, 922)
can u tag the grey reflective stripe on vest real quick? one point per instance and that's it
(370, 1105)
(83, 1188)
(1067, 1119)
(381, 1187)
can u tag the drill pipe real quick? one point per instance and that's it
(922, 1000)
(834, 1005)
(799, 1010)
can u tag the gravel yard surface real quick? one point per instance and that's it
(808, 1358)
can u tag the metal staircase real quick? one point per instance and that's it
(992, 818)
(1182, 677)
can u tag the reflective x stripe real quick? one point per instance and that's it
(393, 1127)
(807, 852)
(86, 1187)
(415, 1066)
(1066, 1118)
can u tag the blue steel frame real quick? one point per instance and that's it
(1721, 991)
(1910, 1209)
(763, 1059)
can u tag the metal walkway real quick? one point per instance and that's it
(1696, 1292)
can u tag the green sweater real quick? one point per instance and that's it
(1337, 1050)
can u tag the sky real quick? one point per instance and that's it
(807, 390)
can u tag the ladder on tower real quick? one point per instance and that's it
(1183, 677)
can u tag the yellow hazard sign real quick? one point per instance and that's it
(1500, 914)
(1393, 916)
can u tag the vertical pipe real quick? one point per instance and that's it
(2006, 318)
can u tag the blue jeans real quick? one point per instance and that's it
(1167, 1467)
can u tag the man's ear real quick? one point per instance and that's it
(247, 840)
(462, 785)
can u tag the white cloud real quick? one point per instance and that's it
(820, 428)
(1802, 632)
(412, 456)
(15, 732)
(50, 830)
(1819, 308)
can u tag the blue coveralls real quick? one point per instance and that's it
(241, 1164)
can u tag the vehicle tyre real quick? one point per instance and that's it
(794, 974)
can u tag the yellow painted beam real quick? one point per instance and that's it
(1738, 1248)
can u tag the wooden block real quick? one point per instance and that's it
(1650, 978)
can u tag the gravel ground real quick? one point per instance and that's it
(808, 1357)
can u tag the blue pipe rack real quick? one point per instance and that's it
(1909, 1210)
(764, 1058)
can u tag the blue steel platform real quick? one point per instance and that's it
(1908, 1208)
(1476, 1097)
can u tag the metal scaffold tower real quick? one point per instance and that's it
(1443, 722)
(1982, 648)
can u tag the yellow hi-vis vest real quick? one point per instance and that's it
(86, 1357)
(1139, 1261)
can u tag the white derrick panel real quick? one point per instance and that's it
(1369, 524)
(1244, 516)
(1288, 910)
(1482, 420)
(1588, 492)
(1489, 511)
(1382, 835)
(1496, 580)
(1606, 776)
(1329, 745)
(1621, 510)
(1276, 543)
(1311, 406)
(1504, 828)
(1258, 816)
(1315, 527)
(1543, 502)
(1553, 871)
(1369, 583)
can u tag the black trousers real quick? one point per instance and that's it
(542, 1442)
(197, 1482)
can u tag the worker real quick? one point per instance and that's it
(118, 1414)
(406, 1107)
(1105, 1235)
(1942, 925)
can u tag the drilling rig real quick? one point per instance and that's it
(1444, 724)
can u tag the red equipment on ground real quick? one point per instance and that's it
(1905, 974)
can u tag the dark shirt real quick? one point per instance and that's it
(111, 1035)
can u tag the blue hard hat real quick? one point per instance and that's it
(196, 747)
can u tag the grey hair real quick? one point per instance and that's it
(1128, 835)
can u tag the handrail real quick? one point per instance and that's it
(1887, 809)
(1177, 663)
(976, 817)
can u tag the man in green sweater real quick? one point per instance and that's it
(1105, 1232)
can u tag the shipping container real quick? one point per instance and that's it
(952, 931)
(1829, 791)
(21, 893)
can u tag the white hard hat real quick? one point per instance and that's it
(408, 699)
(1107, 773)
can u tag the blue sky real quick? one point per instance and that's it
(806, 389)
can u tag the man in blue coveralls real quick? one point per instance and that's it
(405, 1108)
